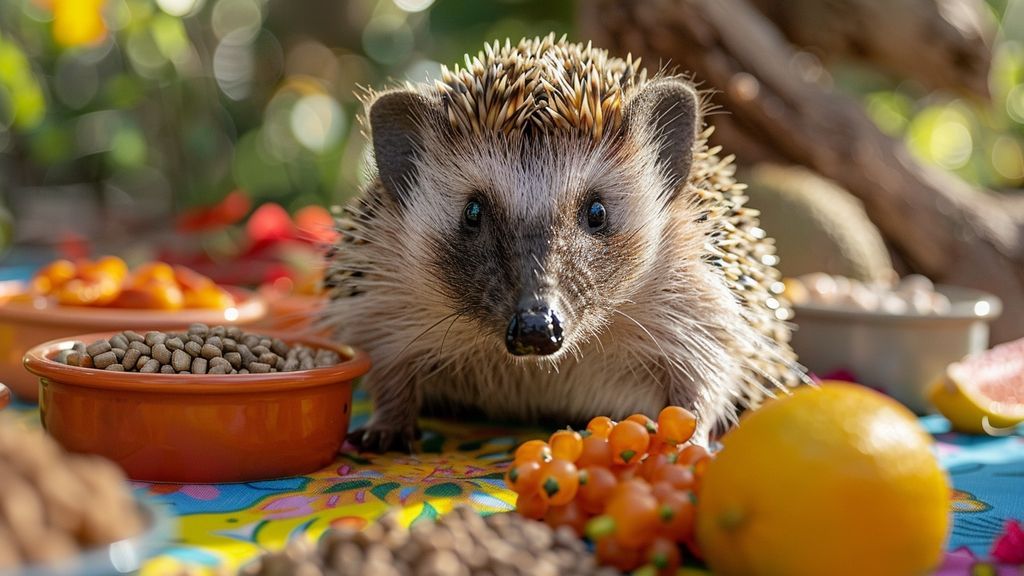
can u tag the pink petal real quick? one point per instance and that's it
(1009, 548)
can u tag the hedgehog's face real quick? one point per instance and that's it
(539, 240)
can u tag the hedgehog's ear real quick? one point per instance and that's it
(398, 120)
(666, 111)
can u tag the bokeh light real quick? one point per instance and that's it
(166, 105)
(413, 5)
(317, 122)
(179, 7)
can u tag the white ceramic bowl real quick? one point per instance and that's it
(901, 354)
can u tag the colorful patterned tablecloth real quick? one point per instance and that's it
(223, 526)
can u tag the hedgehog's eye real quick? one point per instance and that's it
(597, 216)
(471, 214)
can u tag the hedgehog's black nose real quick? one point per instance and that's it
(534, 331)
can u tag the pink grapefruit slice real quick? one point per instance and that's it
(984, 393)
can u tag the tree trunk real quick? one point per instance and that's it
(770, 110)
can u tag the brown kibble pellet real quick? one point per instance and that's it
(278, 346)
(222, 349)
(162, 353)
(193, 349)
(247, 356)
(79, 347)
(180, 360)
(259, 368)
(98, 347)
(142, 347)
(105, 359)
(151, 366)
(115, 368)
(199, 328)
(209, 351)
(119, 341)
(53, 504)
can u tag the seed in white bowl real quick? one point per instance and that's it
(914, 283)
(893, 304)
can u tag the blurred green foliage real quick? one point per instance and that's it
(198, 97)
(983, 142)
(187, 100)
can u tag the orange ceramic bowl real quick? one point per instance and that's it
(199, 428)
(25, 322)
(5, 396)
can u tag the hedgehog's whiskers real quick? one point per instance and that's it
(398, 356)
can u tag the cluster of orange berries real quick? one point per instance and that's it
(628, 486)
(108, 282)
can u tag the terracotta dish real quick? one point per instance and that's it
(25, 322)
(199, 428)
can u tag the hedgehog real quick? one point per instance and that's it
(547, 236)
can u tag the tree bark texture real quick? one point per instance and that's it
(771, 108)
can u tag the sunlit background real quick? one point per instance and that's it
(117, 116)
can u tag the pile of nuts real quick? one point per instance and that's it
(53, 504)
(201, 350)
(914, 294)
(459, 543)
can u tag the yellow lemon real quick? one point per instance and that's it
(984, 392)
(838, 480)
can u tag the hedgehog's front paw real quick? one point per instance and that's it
(383, 437)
